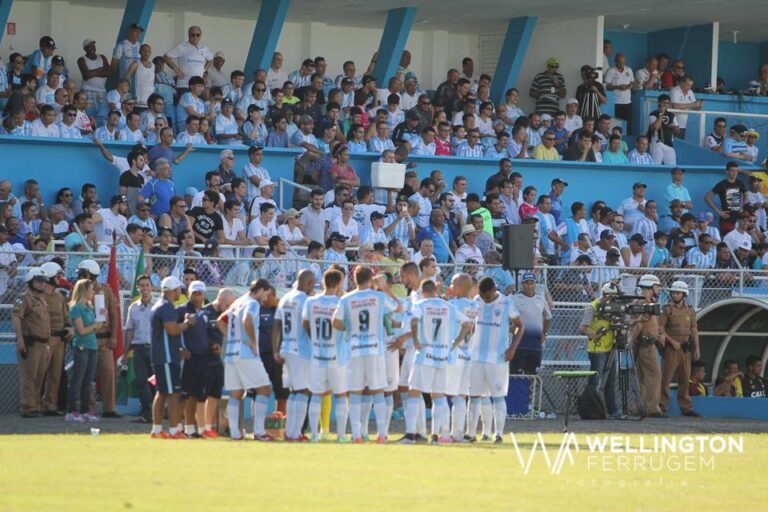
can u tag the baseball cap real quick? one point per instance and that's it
(637, 237)
(226, 101)
(558, 181)
(136, 26)
(190, 191)
(347, 80)
(531, 217)
(639, 184)
(413, 115)
(47, 41)
(292, 213)
(745, 244)
(170, 283)
(546, 117)
(88, 42)
(117, 199)
(377, 215)
(607, 234)
(706, 217)
(571, 101)
(336, 236)
(57, 59)
(218, 55)
(553, 61)
(528, 276)
(266, 183)
(411, 76)
(196, 286)
(738, 128)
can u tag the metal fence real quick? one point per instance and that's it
(568, 290)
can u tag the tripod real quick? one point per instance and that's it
(629, 384)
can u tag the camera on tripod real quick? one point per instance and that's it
(620, 308)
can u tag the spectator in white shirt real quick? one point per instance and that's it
(188, 59)
(648, 77)
(682, 98)
(67, 127)
(620, 79)
(45, 126)
(46, 95)
(573, 120)
(345, 224)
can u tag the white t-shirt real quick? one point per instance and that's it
(349, 230)
(290, 235)
(191, 60)
(257, 229)
(230, 234)
(676, 95)
(110, 223)
(362, 214)
(625, 77)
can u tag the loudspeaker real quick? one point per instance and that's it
(517, 246)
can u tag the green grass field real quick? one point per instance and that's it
(133, 472)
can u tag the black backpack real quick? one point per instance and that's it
(591, 405)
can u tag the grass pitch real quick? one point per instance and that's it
(134, 472)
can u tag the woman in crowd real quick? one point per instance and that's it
(64, 197)
(342, 173)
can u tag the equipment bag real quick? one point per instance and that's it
(591, 405)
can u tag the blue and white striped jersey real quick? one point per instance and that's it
(237, 347)
(295, 339)
(329, 349)
(439, 324)
(492, 337)
(462, 356)
(362, 312)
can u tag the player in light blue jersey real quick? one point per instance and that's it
(462, 288)
(243, 368)
(361, 316)
(437, 327)
(330, 354)
(498, 331)
(292, 347)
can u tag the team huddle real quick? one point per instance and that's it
(350, 345)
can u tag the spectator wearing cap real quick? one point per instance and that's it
(291, 231)
(191, 102)
(573, 120)
(407, 131)
(703, 256)
(548, 87)
(335, 249)
(374, 232)
(216, 75)
(703, 226)
(189, 59)
(735, 146)
(40, 61)
(469, 249)
(95, 69)
(634, 254)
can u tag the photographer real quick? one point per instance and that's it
(681, 337)
(645, 336)
(590, 94)
(600, 334)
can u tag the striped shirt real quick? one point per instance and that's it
(465, 151)
(328, 347)
(699, 260)
(636, 158)
(236, 349)
(289, 312)
(546, 85)
(645, 227)
(462, 356)
(439, 324)
(491, 336)
(362, 312)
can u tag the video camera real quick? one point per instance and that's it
(590, 73)
(620, 309)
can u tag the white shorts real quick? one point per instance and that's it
(458, 380)
(405, 370)
(296, 372)
(392, 360)
(429, 379)
(322, 380)
(243, 374)
(488, 379)
(367, 372)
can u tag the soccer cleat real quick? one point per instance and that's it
(691, 414)
(112, 414)
(407, 439)
(381, 440)
(343, 440)
(263, 437)
(314, 439)
(302, 439)
(459, 440)
(74, 417)
(89, 416)
(179, 435)
(485, 437)
(445, 440)
(237, 438)
(470, 439)
(195, 435)
(433, 438)
(358, 440)
(160, 435)
(420, 438)
(210, 434)
(498, 440)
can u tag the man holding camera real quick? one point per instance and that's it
(601, 337)
(591, 93)
(646, 336)
(681, 341)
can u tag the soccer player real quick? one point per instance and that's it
(360, 315)
(463, 287)
(292, 347)
(194, 350)
(497, 323)
(166, 358)
(214, 370)
(437, 327)
(243, 368)
(330, 354)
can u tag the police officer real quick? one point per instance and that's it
(646, 336)
(106, 337)
(681, 341)
(601, 338)
(61, 333)
(32, 326)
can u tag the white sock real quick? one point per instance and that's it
(173, 430)
(189, 429)
(355, 404)
(459, 417)
(260, 414)
(233, 414)
(380, 411)
(290, 412)
(474, 417)
(365, 418)
(403, 400)
(315, 404)
(342, 412)
(421, 426)
(390, 407)
(411, 414)
(435, 419)
(208, 426)
(486, 413)
(156, 429)
(500, 414)
(439, 408)
(302, 402)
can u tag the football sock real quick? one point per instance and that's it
(390, 400)
(290, 413)
(260, 414)
(233, 414)
(459, 416)
(354, 414)
(342, 412)
(441, 414)
(486, 413)
(500, 414)
(421, 425)
(411, 414)
(474, 417)
(367, 405)
(315, 406)
(325, 414)
(189, 429)
(302, 401)
(380, 411)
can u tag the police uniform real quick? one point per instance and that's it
(599, 352)
(58, 312)
(31, 310)
(105, 367)
(679, 323)
(648, 373)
